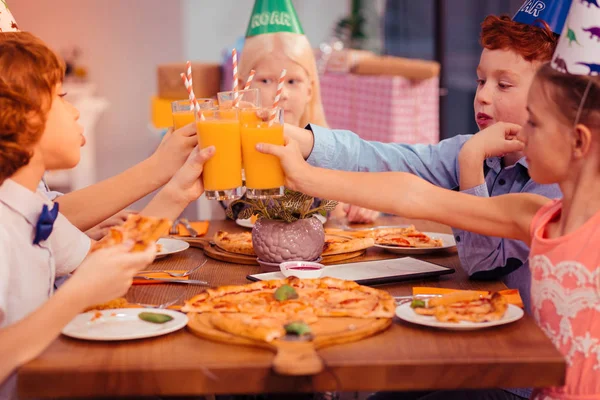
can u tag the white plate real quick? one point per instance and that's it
(246, 223)
(406, 313)
(122, 324)
(170, 246)
(447, 241)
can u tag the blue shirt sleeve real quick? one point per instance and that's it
(488, 257)
(345, 150)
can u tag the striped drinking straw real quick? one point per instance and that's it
(249, 81)
(235, 73)
(193, 102)
(237, 99)
(188, 69)
(277, 97)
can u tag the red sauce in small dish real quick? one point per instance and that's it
(305, 268)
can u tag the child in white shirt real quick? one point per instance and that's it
(39, 132)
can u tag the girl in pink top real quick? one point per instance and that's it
(562, 144)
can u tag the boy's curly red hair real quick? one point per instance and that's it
(533, 43)
(29, 73)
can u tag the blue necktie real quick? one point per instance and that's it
(43, 228)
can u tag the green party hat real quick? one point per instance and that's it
(272, 16)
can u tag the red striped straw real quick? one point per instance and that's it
(249, 81)
(235, 73)
(193, 102)
(277, 96)
(237, 99)
(188, 69)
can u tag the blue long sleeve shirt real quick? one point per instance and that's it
(483, 257)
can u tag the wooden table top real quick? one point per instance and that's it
(405, 357)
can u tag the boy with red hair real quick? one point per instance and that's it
(477, 164)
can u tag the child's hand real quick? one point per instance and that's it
(100, 230)
(108, 273)
(495, 141)
(186, 184)
(292, 162)
(173, 150)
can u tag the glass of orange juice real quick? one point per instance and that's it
(249, 98)
(222, 174)
(183, 114)
(264, 175)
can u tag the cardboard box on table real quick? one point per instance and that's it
(206, 79)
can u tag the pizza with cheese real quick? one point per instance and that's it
(339, 244)
(261, 310)
(239, 243)
(394, 236)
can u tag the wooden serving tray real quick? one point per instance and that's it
(215, 252)
(295, 357)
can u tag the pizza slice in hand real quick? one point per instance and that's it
(139, 229)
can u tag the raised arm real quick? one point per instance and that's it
(345, 150)
(407, 195)
(87, 207)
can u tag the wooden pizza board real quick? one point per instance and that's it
(294, 357)
(215, 252)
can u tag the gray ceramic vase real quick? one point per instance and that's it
(279, 241)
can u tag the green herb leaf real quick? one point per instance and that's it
(285, 292)
(155, 318)
(297, 328)
(417, 304)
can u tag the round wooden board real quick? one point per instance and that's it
(297, 357)
(217, 253)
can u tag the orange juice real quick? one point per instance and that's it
(183, 118)
(224, 170)
(249, 116)
(230, 113)
(263, 171)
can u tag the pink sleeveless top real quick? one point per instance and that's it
(565, 300)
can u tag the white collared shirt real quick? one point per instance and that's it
(50, 194)
(27, 271)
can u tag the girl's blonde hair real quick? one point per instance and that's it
(297, 48)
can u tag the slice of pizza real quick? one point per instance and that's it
(239, 243)
(339, 245)
(137, 228)
(332, 297)
(252, 326)
(119, 302)
(412, 239)
(465, 306)
(355, 234)
(403, 230)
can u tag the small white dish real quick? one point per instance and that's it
(406, 313)
(302, 269)
(171, 246)
(121, 324)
